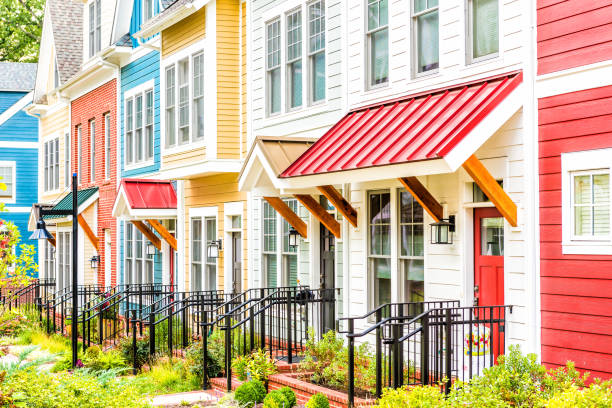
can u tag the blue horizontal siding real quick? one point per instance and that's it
(26, 173)
(134, 74)
(136, 21)
(21, 221)
(20, 127)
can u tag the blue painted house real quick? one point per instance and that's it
(18, 145)
(139, 139)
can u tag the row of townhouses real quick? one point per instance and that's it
(396, 151)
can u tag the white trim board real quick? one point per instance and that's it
(16, 107)
(18, 145)
(574, 79)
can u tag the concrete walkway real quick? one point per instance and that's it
(203, 398)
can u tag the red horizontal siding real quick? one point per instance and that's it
(576, 290)
(572, 33)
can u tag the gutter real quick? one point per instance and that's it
(182, 12)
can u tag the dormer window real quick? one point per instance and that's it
(95, 27)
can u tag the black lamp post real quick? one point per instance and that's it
(42, 233)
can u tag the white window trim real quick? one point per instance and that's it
(309, 56)
(203, 213)
(107, 145)
(367, 48)
(572, 163)
(414, 42)
(51, 138)
(94, 52)
(13, 198)
(129, 94)
(307, 108)
(469, 60)
(210, 103)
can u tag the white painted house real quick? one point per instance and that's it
(435, 97)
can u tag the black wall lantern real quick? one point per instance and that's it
(95, 261)
(214, 247)
(293, 237)
(442, 231)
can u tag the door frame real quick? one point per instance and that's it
(475, 235)
(230, 209)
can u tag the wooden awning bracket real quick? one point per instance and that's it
(320, 213)
(340, 203)
(164, 233)
(424, 197)
(492, 189)
(52, 240)
(287, 213)
(148, 233)
(93, 238)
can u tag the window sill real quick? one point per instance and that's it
(129, 167)
(183, 148)
(587, 248)
(304, 111)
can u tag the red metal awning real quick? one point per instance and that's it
(418, 127)
(149, 194)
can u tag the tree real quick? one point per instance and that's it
(20, 29)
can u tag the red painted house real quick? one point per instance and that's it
(574, 89)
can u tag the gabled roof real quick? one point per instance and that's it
(66, 203)
(17, 76)
(67, 27)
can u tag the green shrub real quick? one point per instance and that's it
(250, 393)
(98, 360)
(318, 401)
(404, 398)
(258, 365)
(597, 395)
(290, 395)
(276, 399)
(142, 352)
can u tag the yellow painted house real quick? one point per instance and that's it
(203, 136)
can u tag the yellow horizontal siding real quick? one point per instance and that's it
(189, 156)
(215, 191)
(228, 79)
(55, 124)
(243, 78)
(184, 33)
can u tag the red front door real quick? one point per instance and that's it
(488, 257)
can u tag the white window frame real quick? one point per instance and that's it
(130, 96)
(204, 214)
(146, 9)
(270, 69)
(92, 150)
(168, 63)
(469, 35)
(288, 63)
(79, 135)
(576, 163)
(107, 146)
(368, 48)
(51, 164)
(146, 260)
(415, 40)
(63, 259)
(94, 34)
(310, 70)
(67, 158)
(400, 257)
(13, 197)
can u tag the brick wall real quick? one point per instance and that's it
(93, 106)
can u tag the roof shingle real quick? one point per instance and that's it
(67, 25)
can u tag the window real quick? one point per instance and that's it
(425, 35)
(290, 261)
(294, 59)
(411, 247)
(478, 196)
(49, 260)
(198, 96)
(79, 152)
(107, 146)
(95, 27)
(51, 165)
(139, 127)
(92, 146)
(64, 260)
(316, 50)
(483, 35)
(7, 176)
(170, 109)
(185, 101)
(147, 10)
(586, 203)
(378, 42)
(273, 80)
(149, 125)
(138, 265)
(269, 245)
(379, 247)
(203, 267)
(590, 203)
(67, 177)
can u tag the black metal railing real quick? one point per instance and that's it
(274, 319)
(29, 296)
(428, 343)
